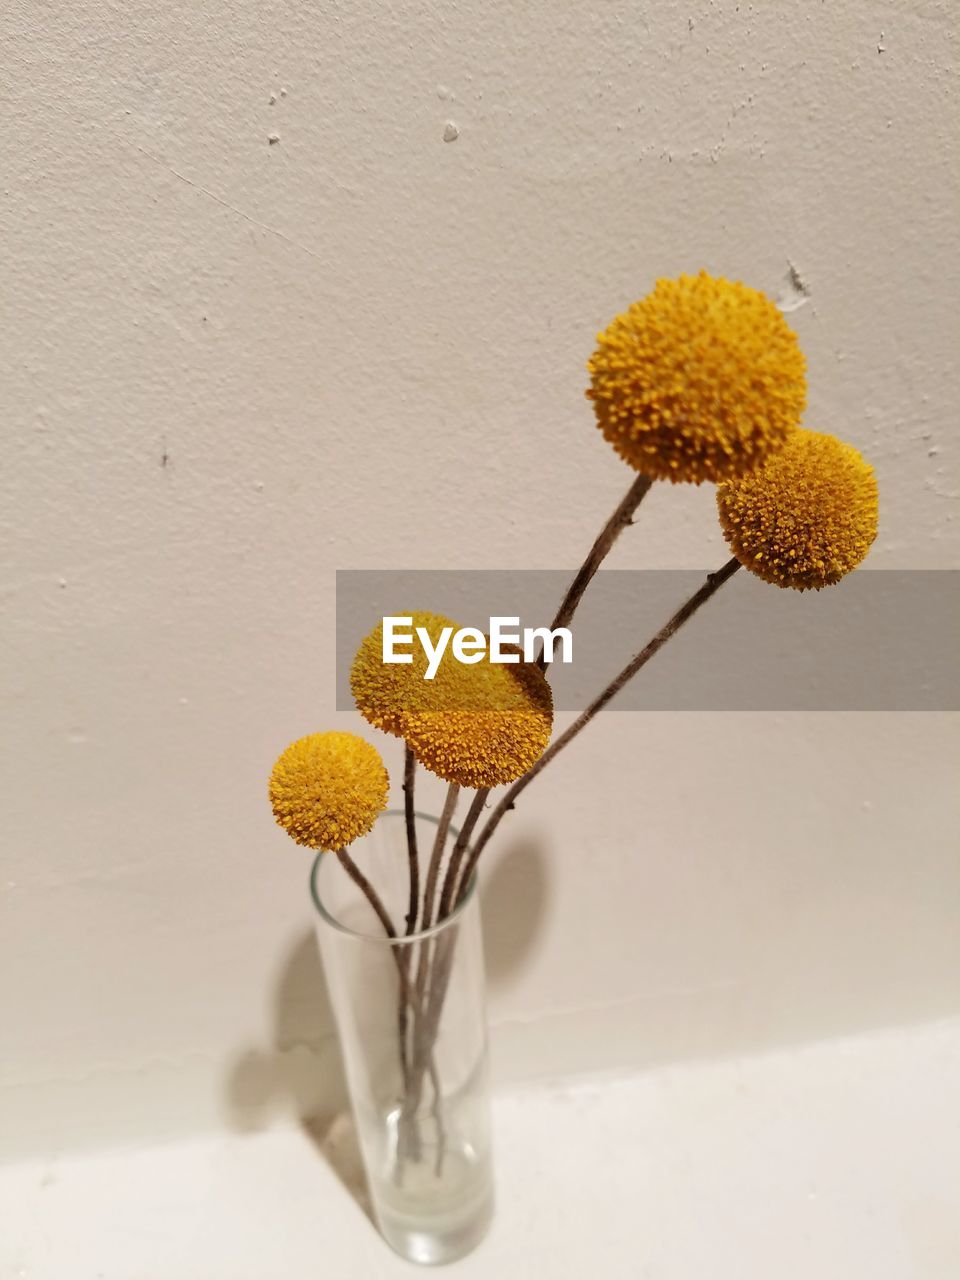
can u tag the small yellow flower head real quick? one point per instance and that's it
(491, 722)
(806, 517)
(327, 789)
(385, 692)
(700, 380)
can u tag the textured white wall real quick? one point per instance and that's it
(232, 365)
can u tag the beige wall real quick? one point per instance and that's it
(233, 365)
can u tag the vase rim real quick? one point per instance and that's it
(404, 939)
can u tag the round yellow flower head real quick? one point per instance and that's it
(385, 692)
(700, 380)
(327, 789)
(478, 724)
(489, 722)
(804, 518)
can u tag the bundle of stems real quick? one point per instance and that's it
(422, 993)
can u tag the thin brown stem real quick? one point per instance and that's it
(447, 897)
(429, 893)
(368, 891)
(713, 583)
(437, 1111)
(371, 895)
(429, 1013)
(436, 858)
(422, 1049)
(413, 905)
(598, 552)
(413, 857)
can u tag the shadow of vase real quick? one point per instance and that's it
(300, 1072)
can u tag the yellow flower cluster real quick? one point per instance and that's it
(328, 789)
(806, 516)
(478, 725)
(700, 380)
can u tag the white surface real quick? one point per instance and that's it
(836, 1162)
(232, 366)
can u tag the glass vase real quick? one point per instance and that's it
(410, 1013)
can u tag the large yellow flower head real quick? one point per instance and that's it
(806, 517)
(328, 789)
(385, 692)
(489, 723)
(700, 380)
(478, 724)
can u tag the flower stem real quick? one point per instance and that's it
(713, 583)
(413, 857)
(436, 858)
(447, 897)
(422, 1048)
(598, 552)
(429, 893)
(368, 891)
(622, 516)
(371, 895)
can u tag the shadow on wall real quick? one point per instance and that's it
(301, 1071)
(514, 896)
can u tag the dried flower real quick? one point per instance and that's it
(489, 724)
(806, 517)
(700, 380)
(327, 789)
(385, 692)
(477, 724)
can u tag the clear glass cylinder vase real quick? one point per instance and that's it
(411, 1018)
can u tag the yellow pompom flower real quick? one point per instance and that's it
(478, 724)
(328, 789)
(806, 517)
(490, 722)
(700, 380)
(384, 692)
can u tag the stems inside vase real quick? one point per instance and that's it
(422, 1052)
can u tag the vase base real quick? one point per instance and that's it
(433, 1220)
(434, 1246)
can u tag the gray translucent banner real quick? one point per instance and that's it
(881, 640)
